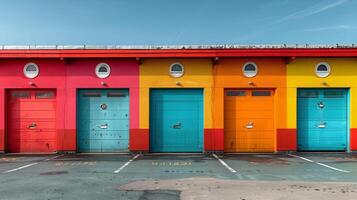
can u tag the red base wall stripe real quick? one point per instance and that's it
(213, 139)
(286, 139)
(353, 139)
(69, 142)
(2, 140)
(139, 140)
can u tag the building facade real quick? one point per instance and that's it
(177, 99)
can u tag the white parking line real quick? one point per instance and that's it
(224, 164)
(126, 164)
(334, 168)
(22, 167)
(321, 164)
(48, 159)
(29, 165)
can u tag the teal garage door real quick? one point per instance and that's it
(176, 120)
(322, 119)
(103, 120)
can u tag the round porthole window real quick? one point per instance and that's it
(176, 70)
(103, 106)
(102, 70)
(31, 70)
(250, 69)
(322, 70)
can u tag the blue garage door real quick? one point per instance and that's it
(322, 119)
(176, 120)
(103, 120)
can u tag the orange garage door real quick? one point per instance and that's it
(31, 121)
(249, 121)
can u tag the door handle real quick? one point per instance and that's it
(322, 125)
(250, 125)
(321, 104)
(177, 125)
(104, 126)
(33, 125)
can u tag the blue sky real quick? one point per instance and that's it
(170, 22)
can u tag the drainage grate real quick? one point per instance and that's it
(185, 171)
(54, 173)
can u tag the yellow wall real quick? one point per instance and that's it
(154, 73)
(301, 74)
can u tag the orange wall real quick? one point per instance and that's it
(228, 74)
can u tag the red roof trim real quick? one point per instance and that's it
(184, 53)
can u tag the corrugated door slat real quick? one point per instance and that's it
(176, 120)
(103, 120)
(322, 120)
(31, 121)
(249, 120)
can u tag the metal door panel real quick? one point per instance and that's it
(103, 120)
(30, 105)
(176, 120)
(333, 114)
(322, 125)
(31, 121)
(89, 145)
(249, 123)
(257, 124)
(32, 114)
(103, 125)
(96, 114)
(246, 114)
(322, 120)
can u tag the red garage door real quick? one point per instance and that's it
(31, 121)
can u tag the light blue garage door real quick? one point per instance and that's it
(176, 120)
(322, 120)
(103, 120)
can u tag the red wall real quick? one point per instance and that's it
(286, 139)
(214, 139)
(353, 139)
(80, 74)
(66, 77)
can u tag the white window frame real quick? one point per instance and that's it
(250, 74)
(32, 75)
(323, 74)
(176, 74)
(99, 75)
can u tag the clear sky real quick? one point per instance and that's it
(170, 22)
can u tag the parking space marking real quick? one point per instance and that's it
(19, 168)
(318, 163)
(334, 168)
(48, 159)
(224, 164)
(29, 165)
(126, 164)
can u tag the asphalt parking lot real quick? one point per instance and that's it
(90, 176)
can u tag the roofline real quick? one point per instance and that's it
(178, 51)
(217, 46)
